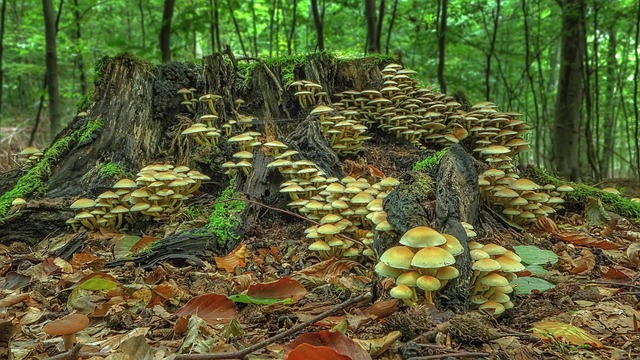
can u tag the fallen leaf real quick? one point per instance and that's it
(377, 347)
(310, 352)
(283, 288)
(86, 260)
(566, 333)
(143, 243)
(337, 341)
(585, 263)
(236, 258)
(586, 240)
(382, 308)
(13, 299)
(212, 308)
(615, 274)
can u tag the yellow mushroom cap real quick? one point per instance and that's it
(422, 236)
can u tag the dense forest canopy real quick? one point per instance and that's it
(506, 51)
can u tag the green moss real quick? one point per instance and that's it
(429, 162)
(112, 170)
(224, 214)
(615, 203)
(35, 180)
(92, 125)
(86, 101)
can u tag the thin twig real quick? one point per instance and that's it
(614, 283)
(246, 351)
(75, 353)
(463, 354)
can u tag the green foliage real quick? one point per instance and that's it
(111, 170)
(525, 285)
(615, 203)
(224, 214)
(429, 162)
(92, 125)
(85, 101)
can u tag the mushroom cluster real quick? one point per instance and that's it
(208, 130)
(158, 189)
(494, 269)
(423, 261)
(518, 199)
(189, 98)
(246, 142)
(309, 93)
(30, 156)
(344, 132)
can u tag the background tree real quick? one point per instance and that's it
(165, 30)
(52, 69)
(566, 155)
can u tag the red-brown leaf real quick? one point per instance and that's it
(333, 340)
(615, 274)
(586, 240)
(235, 258)
(143, 243)
(310, 352)
(283, 288)
(212, 308)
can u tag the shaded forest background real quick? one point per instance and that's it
(569, 65)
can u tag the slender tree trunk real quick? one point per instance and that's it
(489, 55)
(2, 17)
(442, 30)
(254, 20)
(237, 26)
(370, 15)
(636, 109)
(165, 30)
(566, 155)
(527, 64)
(143, 34)
(609, 124)
(318, 21)
(380, 23)
(52, 69)
(291, 38)
(391, 23)
(214, 26)
(79, 58)
(592, 151)
(272, 15)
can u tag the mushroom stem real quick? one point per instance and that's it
(69, 341)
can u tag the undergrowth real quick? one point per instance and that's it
(615, 203)
(224, 214)
(430, 162)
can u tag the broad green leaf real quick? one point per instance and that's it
(534, 255)
(536, 269)
(248, 299)
(525, 285)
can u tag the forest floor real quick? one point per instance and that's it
(595, 300)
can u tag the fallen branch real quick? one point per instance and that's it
(462, 354)
(246, 351)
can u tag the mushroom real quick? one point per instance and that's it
(68, 326)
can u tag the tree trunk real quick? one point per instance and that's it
(490, 53)
(165, 30)
(636, 107)
(237, 27)
(442, 30)
(370, 15)
(52, 69)
(291, 36)
(142, 30)
(566, 156)
(2, 17)
(391, 23)
(79, 58)
(609, 124)
(319, 23)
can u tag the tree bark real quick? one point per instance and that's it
(142, 29)
(318, 20)
(290, 37)
(2, 17)
(370, 15)
(636, 107)
(79, 57)
(490, 53)
(442, 30)
(609, 123)
(165, 30)
(566, 156)
(237, 27)
(52, 69)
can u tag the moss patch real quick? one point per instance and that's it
(90, 128)
(85, 101)
(430, 162)
(614, 203)
(224, 214)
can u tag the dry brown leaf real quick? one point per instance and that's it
(377, 347)
(13, 299)
(283, 288)
(545, 225)
(586, 240)
(585, 263)
(235, 258)
(382, 308)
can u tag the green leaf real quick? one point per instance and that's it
(534, 255)
(536, 269)
(247, 299)
(123, 247)
(525, 285)
(98, 284)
